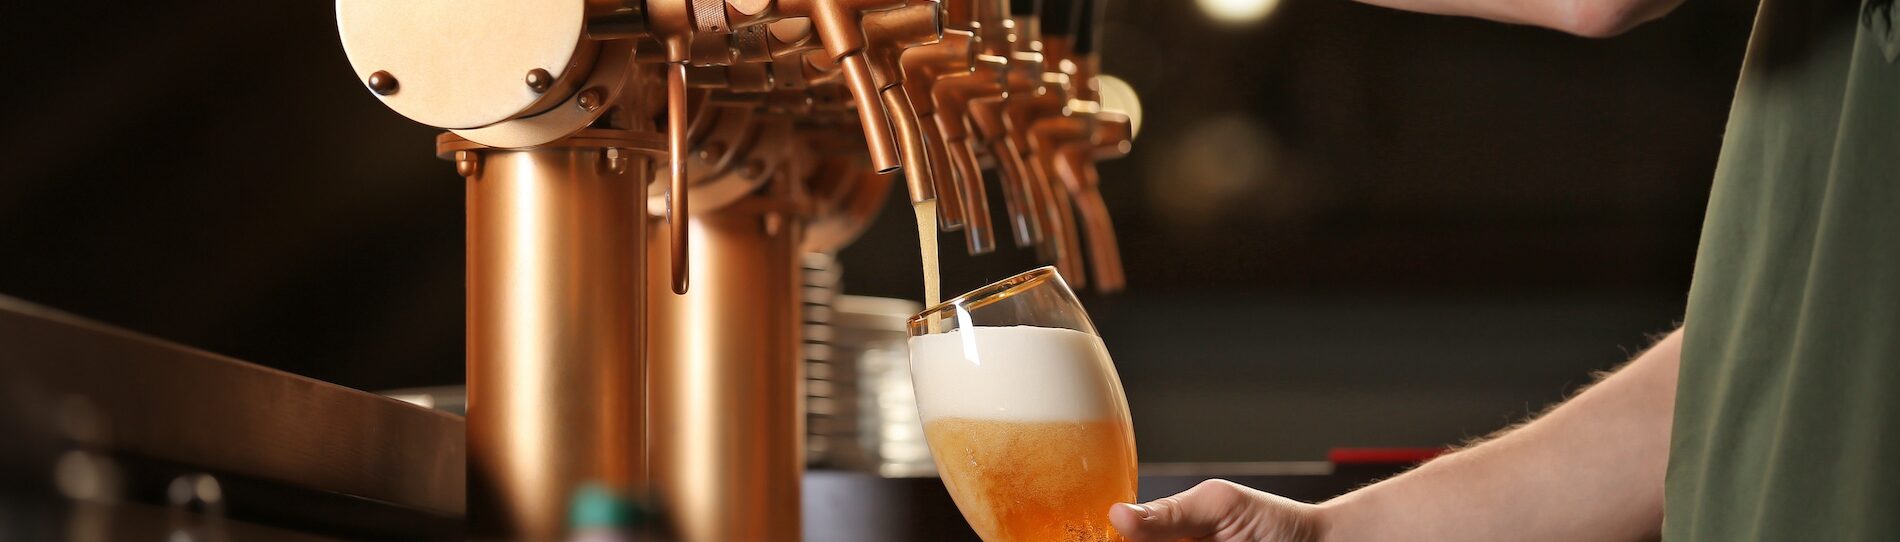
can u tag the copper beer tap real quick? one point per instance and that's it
(782, 122)
(923, 66)
(954, 94)
(986, 113)
(1069, 143)
(889, 34)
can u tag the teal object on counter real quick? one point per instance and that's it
(595, 506)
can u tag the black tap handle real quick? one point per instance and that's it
(1088, 25)
(1024, 7)
(1059, 17)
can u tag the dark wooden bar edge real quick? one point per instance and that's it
(66, 382)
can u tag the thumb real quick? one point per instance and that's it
(1199, 512)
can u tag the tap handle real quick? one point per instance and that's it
(1059, 17)
(1088, 26)
(677, 212)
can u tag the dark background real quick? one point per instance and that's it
(1344, 226)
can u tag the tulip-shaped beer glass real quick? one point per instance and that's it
(1023, 411)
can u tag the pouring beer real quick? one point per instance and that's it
(1023, 411)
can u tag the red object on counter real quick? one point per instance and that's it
(1363, 457)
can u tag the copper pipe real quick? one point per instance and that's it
(727, 384)
(980, 233)
(839, 26)
(986, 115)
(950, 213)
(876, 123)
(1043, 138)
(678, 126)
(555, 285)
(924, 65)
(888, 34)
(954, 96)
(1067, 241)
(992, 25)
(1021, 123)
(1023, 223)
(1077, 168)
(1031, 202)
(916, 159)
(1113, 135)
(957, 14)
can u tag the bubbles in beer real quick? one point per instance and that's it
(1029, 429)
(1036, 481)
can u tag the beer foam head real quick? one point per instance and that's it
(1016, 373)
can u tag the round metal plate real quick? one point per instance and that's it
(460, 63)
(609, 76)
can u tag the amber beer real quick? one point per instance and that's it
(1027, 481)
(1029, 429)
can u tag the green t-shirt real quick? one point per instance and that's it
(1787, 419)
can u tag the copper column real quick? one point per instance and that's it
(556, 272)
(727, 408)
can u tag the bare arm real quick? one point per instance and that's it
(1593, 18)
(1591, 469)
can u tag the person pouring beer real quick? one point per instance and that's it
(1769, 415)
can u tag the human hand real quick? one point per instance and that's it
(1219, 511)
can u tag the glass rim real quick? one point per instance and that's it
(991, 293)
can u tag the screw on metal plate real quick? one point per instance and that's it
(615, 160)
(382, 83)
(539, 80)
(467, 163)
(589, 99)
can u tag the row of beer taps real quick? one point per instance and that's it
(769, 128)
(941, 90)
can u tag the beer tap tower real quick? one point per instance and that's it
(642, 176)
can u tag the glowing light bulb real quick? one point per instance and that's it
(1119, 96)
(1237, 11)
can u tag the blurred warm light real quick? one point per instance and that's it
(1118, 96)
(1237, 11)
(1214, 169)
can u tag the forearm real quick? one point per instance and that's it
(1591, 469)
(1595, 18)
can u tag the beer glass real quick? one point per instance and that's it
(1023, 411)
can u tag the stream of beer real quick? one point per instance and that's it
(927, 242)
